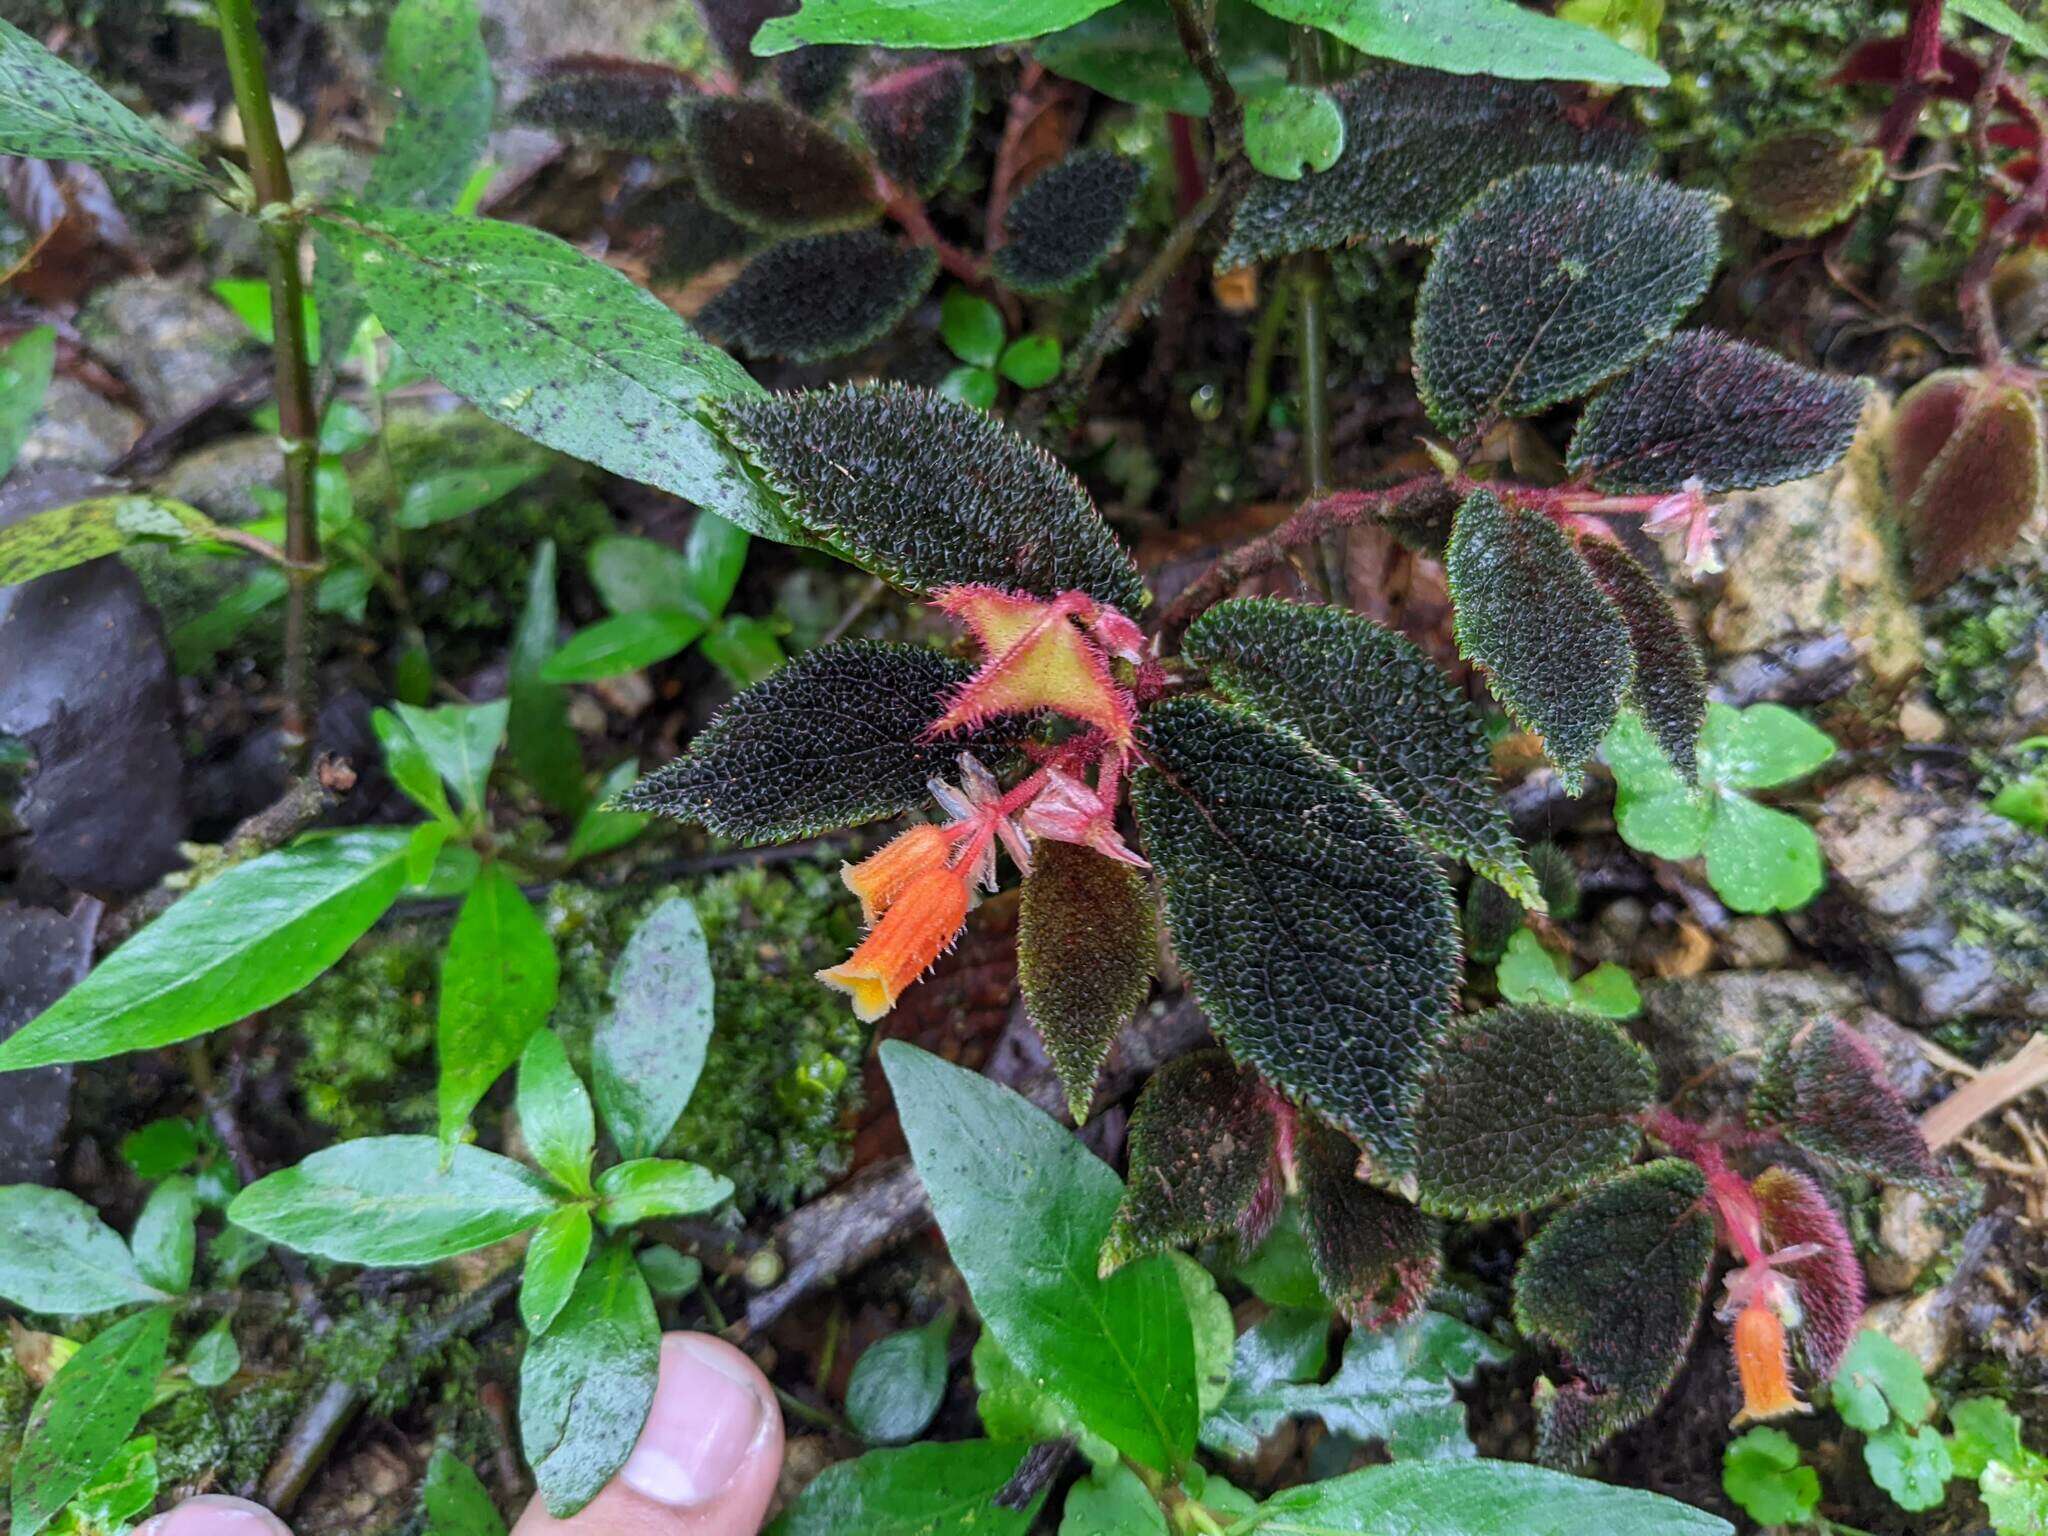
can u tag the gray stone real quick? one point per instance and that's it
(79, 428)
(221, 479)
(176, 345)
(1928, 1327)
(1957, 897)
(1909, 1238)
(1756, 943)
(43, 955)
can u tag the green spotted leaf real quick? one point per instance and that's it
(1203, 1140)
(66, 536)
(833, 739)
(49, 111)
(1555, 279)
(1087, 942)
(821, 296)
(1823, 1087)
(929, 493)
(26, 366)
(1801, 182)
(1476, 1498)
(1554, 646)
(1474, 37)
(1523, 1105)
(1418, 146)
(1375, 1255)
(81, 1418)
(772, 169)
(1705, 407)
(56, 1255)
(940, 1489)
(1668, 685)
(1372, 700)
(1318, 933)
(1065, 223)
(560, 347)
(1614, 1281)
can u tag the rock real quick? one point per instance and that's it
(79, 428)
(1615, 931)
(1909, 1238)
(1920, 721)
(43, 955)
(221, 479)
(175, 344)
(1811, 560)
(1957, 897)
(1755, 944)
(1928, 1327)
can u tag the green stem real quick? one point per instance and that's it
(1311, 274)
(298, 420)
(1258, 373)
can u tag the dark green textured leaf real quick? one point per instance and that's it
(1395, 1386)
(635, 105)
(243, 941)
(1668, 687)
(647, 1052)
(1474, 37)
(1614, 1281)
(25, 369)
(1555, 279)
(1375, 1255)
(1203, 1140)
(1804, 181)
(456, 1501)
(774, 170)
(586, 1384)
(1087, 940)
(916, 121)
(1024, 1208)
(560, 347)
(1372, 700)
(1553, 644)
(164, 1240)
(691, 236)
(930, 493)
(56, 1255)
(1720, 411)
(1523, 1105)
(810, 79)
(90, 1406)
(1290, 130)
(1822, 1087)
(1418, 146)
(1318, 932)
(391, 1200)
(1064, 224)
(554, 1259)
(555, 1118)
(832, 740)
(1476, 1498)
(1132, 53)
(915, 24)
(898, 1383)
(49, 111)
(920, 1490)
(497, 987)
(66, 536)
(822, 296)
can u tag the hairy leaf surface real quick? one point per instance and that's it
(1318, 932)
(1668, 684)
(916, 120)
(1064, 224)
(1418, 146)
(1375, 1255)
(1087, 941)
(1797, 1213)
(1824, 1088)
(774, 170)
(1806, 180)
(821, 296)
(1553, 644)
(1555, 279)
(49, 111)
(929, 493)
(1614, 1282)
(833, 739)
(1523, 1105)
(635, 105)
(1703, 406)
(1965, 493)
(1372, 700)
(1202, 1144)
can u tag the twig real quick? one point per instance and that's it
(868, 594)
(1923, 69)
(1973, 285)
(1195, 22)
(1987, 1093)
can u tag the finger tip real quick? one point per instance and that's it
(216, 1514)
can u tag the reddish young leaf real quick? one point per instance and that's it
(1965, 495)
(1375, 1255)
(1204, 1139)
(1822, 1087)
(1830, 1283)
(1034, 659)
(1882, 61)
(916, 121)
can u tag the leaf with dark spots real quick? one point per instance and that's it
(647, 1052)
(49, 111)
(774, 170)
(90, 1406)
(1668, 687)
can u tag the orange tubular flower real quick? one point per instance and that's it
(1760, 1361)
(922, 921)
(881, 877)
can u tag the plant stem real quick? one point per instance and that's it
(1195, 20)
(1923, 66)
(298, 420)
(1310, 272)
(1258, 373)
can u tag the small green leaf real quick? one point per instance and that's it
(498, 983)
(1759, 859)
(461, 741)
(1762, 1472)
(214, 1356)
(896, 24)
(160, 1149)
(66, 536)
(554, 1112)
(26, 367)
(1760, 747)
(89, 1408)
(624, 643)
(1472, 37)
(898, 1383)
(650, 1187)
(1112, 1501)
(49, 111)
(970, 386)
(1654, 809)
(245, 940)
(1031, 362)
(1131, 52)
(2016, 1497)
(452, 493)
(972, 327)
(439, 77)
(745, 649)
(120, 1492)
(1476, 1498)
(1609, 991)
(2001, 17)
(456, 1501)
(1292, 129)
(670, 1275)
(554, 1260)
(1529, 973)
(1668, 686)
(586, 1384)
(392, 1200)
(648, 1050)
(1985, 1430)
(1911, 1465)
(164, 1239)
(1878, 1378)
(635, 575)
(918, 1490)
(410, 767)
(57, 1256)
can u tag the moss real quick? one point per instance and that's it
(1984, 632)
(368, 1027)
(255, 1422)
(192, 1445)
(1995, 890)
(17, 1395)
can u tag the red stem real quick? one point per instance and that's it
(908, 210)
(1923, 70)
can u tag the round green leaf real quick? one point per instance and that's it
(1291, 129)
(1760, 859)
(898, 1383)
(1031, 361)
(972, 327)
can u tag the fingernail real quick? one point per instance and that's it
(215, 1514)
(707, 1414)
